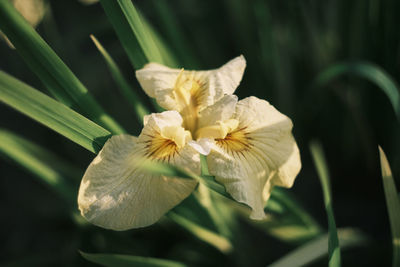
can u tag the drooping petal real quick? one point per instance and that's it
(177, 89)
(260, 153)
(117, 193)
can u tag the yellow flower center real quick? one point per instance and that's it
(218, 131)
(188, 92)
(235, 141)
(164, 145)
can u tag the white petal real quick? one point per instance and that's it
(155, 76)
(160, 120)
(203, 145)
(161, 82)
(265, 155)
(228, 76)
(222, 110)
(287, 171)
(257, 114)
(115, 193)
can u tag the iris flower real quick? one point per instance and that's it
(249, 145)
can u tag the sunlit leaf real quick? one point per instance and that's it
(202, 233)
(51, 113)
(317, 248)
(323, 174)
(51, 70)
(393, 205)
(137, 42)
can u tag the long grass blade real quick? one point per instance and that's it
(51, 113)
(173, 29)
(126, 90)
(322, 170)
(167, 56)
(368, 71)
(116, 260)
(51, 70)
(137, 42)
(317, 248)
(393, 205)
(202, 233)
(42, 163)
(288, 220)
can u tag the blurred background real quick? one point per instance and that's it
(287, 44)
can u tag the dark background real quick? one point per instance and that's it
(286, 45)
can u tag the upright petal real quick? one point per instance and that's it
(116, 193)
(189, 92)
(260, 153)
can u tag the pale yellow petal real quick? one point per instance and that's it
(189, 91)
(229, 76)
(155, 122)
(222, 110)
(258, 155)
(154, 76)
(203, 145)
(116, 194)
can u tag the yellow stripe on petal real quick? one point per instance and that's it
(235, 141)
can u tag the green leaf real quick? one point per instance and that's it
(202, 233)
(288, 220)
(136, 40)
(393, 205)
(173, 171)
(317, 248)
(368, 71)
(322, 170)
(51, 113)
(115, 260)
(168, 57)
(173, 29)
(40, 162)
(126, 89)
(51, 70)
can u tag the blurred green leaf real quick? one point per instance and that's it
(202, 233)
(393, 205)
(172, 28)
(368, 71)
(168, 57)
(115, 260)
(51, 70)
(288, 221)
(40, 162)
(126, 90)
(135, 39)
(322, 170)
(317, 248)
(51, 113)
